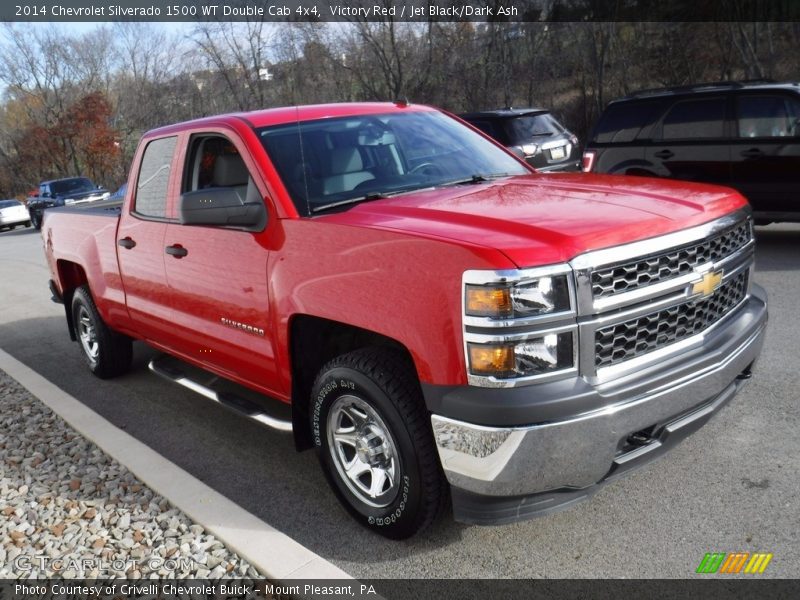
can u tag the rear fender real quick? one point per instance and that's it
(70, 277)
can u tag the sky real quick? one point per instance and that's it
(83, 27)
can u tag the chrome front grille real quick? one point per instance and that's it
(630, 322)
(635, 337)
(645, 271)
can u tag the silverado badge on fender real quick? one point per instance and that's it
(242, 326)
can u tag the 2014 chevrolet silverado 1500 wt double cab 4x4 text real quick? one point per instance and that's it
(435, 318)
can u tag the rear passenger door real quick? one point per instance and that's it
(140, 241)
(218, 275)
(765, 151)
(692, 141)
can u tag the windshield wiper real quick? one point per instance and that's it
(475, 178)
(364, 198)
(367, 198)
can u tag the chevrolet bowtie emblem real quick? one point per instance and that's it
(707, 285)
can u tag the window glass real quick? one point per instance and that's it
(490, 129)
(622, 122)
(214, 162)
(695, 119)
(342, 161)
(525, 128)
(765, 116)
(151, 187)
(9, 203)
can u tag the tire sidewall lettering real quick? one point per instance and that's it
(397, 511)
(340, 385)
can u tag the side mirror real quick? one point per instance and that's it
(224, 207)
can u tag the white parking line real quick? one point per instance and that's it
(271, 552)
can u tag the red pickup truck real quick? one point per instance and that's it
(438, 320)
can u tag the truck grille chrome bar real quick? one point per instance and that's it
(672, 263)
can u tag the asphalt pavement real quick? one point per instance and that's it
(733, 486)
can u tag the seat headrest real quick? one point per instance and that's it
(230, 171)
(346, 160)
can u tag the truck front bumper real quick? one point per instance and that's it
(501, 474)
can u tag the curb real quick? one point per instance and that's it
(271, 552)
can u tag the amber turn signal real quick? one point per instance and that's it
(482, 301)
(491, 360)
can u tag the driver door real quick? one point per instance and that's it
(217, 275)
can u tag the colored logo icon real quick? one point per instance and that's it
(734, 562)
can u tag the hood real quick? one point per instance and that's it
(544, 219)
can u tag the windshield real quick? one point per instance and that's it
(76, 185)
(339, 161)
(9, 203)
(523, 129)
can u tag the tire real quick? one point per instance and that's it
(107, 352)
(372, 399)
(27, 223)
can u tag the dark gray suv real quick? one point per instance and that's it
(745, 135)
(532, 133)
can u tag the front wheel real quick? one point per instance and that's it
(374, 442)
(107, 352)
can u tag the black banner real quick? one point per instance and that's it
(399, 10)
(392, 589)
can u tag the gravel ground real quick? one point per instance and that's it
(68, 509)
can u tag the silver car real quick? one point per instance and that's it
(13, 213)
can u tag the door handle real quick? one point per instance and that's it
(176, 250)
(126, 243)
(752, 153)
(664, 154)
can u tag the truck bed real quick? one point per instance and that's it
(84, 237)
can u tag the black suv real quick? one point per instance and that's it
(533, 134)
(745, 135)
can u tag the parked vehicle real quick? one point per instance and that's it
(744, 135)
(429, 312)
(63, 192)
(120, 193)
(13, 213)
(534, 134)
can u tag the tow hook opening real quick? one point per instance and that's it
(746, 374)
(637, 439)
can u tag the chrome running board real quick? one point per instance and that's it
(171, 370)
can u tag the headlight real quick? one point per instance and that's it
(520, 325)
(541, 296)
(534, 356)
(529, 149)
